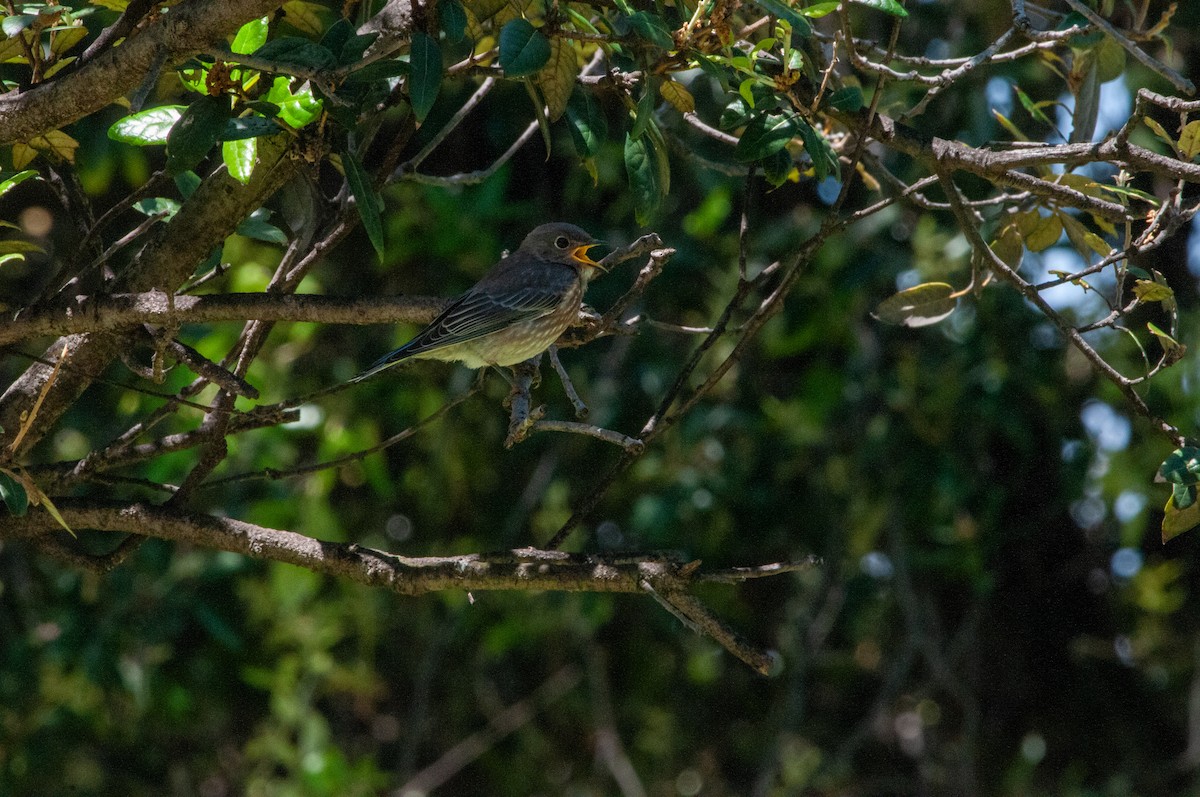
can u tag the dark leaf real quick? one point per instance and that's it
(196, 132)
(783, 10)
(425, 75)
(523, 49)
(366, 199)
(296, 51)
(248, 127)
(13, 495)
(766, 135)
(586, 121)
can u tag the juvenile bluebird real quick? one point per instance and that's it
(516, 311)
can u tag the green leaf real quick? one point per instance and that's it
(239, 156)
(425, 76)
(783, 10)
(15, 180)
(250, 36)
(146, 127)
(453, 18)
(248, 127)
(918, 306)
(187, 183)
(824, 159)
(777, 167)
(735, 114)
(652, 29)
(523, 49)
(1031, 107)
(355, 47)
(886, 6)
(818, 10)
(366, 199)
(13, 494)
(156, 206)
(1181, 467)
(849, 99)
(337, 35)
(644, 172)
(766, 135)
(645, 111)
(297, 110)
(296, 51)
(16, 23)
(196, 132)
(378, 70)
(586, 121)
(259, 229)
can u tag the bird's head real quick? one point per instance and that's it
(562, 243)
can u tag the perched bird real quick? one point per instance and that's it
(516, 311)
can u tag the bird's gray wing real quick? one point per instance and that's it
(478, 313)
(471, 316)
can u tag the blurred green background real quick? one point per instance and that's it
(994, 613)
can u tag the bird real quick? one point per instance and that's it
(515, 312)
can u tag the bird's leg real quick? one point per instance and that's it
(521, 417)
(581, 409)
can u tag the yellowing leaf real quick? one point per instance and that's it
(557, 78)
(1177, 521)
(63, 40)
(1189, 140)
(1083, 239)
(1008, 247)
(308, 18)
(1040, 232)
(1084, 185)
(1148, 291)
(1008, 125)
(1159, 131)
(678, 96)
(918, 306)
(1172, 349)
(22, 155)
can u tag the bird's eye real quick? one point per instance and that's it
(561, 242)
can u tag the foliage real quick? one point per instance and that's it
(921, 307)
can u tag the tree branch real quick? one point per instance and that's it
(187, 29)
(522, 569)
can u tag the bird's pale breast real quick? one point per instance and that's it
(518, 342)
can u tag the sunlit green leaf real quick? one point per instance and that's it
(239, 156)
(250, 36)
(887, 6)
(146, 127)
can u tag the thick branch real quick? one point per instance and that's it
(98, 313)
(203, 222)
(184, 30)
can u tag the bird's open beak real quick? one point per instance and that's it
(580, 255)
